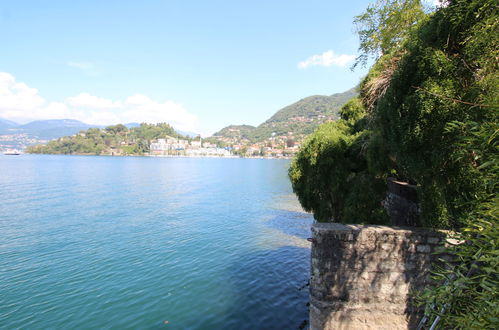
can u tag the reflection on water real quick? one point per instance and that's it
(274, 238)
(286, 228)
(288, 202)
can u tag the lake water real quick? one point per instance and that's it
(150, 243)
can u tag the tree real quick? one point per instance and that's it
(384, 27)
(117, 129)
(443, 77)
(330, 174)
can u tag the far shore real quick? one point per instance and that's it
(167, 156)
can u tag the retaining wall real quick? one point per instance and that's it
(362, 277)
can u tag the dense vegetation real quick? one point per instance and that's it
(431, 102)
(443, 84)
(330, 174)
(424, 96)
(96, 141)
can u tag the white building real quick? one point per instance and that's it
(167, 145)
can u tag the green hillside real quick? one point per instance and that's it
(236, 131)
(300, 118)
(117, 139)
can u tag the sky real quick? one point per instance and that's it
(198, 65)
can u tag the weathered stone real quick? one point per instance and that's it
(423, 248)
(434, 240)
(362, 276)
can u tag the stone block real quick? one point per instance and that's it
(363, 275)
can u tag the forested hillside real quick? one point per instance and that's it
(236, 131)
(117, 139)
(299, 118)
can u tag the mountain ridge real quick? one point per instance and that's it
(299, 118)
(46, 129)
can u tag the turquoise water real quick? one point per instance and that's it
(150, 243)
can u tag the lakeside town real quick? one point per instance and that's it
(275, 147)
(161, 140)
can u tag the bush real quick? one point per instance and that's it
(330, 175)
(468, 292)
(442, 78)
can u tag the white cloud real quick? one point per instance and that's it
(21, 103)
(328, 58)
(15, 95)
(90, 101)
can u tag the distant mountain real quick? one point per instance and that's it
(233, 131)
(52, 129)
(299, 118)
(187, 133)
(6, 124)
(47, 129)
(55, 128)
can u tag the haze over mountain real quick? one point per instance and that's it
(44, 129)
(5, 124)
(54, 128)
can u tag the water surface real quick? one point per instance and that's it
(150, 243)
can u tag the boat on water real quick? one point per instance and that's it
(12, 152)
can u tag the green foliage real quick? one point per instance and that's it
(469, 297)
(384, 27)
(117, 129)
(433, 88)
(241, 152)
(95, 141)
(353, 110)
(330, 174)
(440, 80)
(354, 113)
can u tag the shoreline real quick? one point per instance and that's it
(166, 156)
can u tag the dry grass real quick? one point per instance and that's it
(377, 86)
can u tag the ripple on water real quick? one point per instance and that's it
(103, 242)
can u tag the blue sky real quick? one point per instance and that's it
(200, 65)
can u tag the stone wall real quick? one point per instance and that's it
(362, 276)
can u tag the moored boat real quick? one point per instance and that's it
(12, 152)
